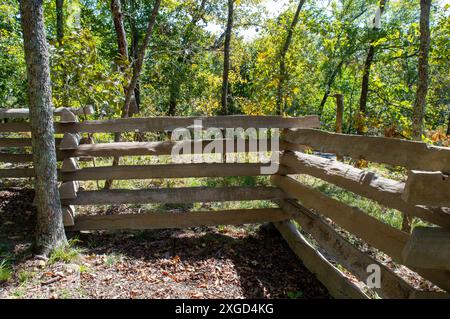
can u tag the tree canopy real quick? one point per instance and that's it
(183, 65)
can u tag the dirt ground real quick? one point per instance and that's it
(209, 262)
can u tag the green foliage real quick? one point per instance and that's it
(66, 254)
(80, 77)
(295, 294)
(5, 271)
(12, 61)
(25, 276)
(183, 65)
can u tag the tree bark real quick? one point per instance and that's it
(116, 10)
(134, 54)
(122, 45)
(59, 20)
(422, 84)
(226, 58)
(282, 72)
(50, 230)
(365, 79)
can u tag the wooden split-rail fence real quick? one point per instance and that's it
(424, 195)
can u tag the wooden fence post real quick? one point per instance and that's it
(69, 189)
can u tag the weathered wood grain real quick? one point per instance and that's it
(165, 171)
(72, 173)
(376, 233)
(20, 142)
(397, 152)
(392, 286)
(337, 284)
(156, 148)
(428, 247)
(25, 113)
(370, 229)
(427, 188)
(385, 191)
(178, 220)
(174, 195)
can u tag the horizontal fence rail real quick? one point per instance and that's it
(179, 220)
(174, 195)
(396, 152)
(168, 123)
(25, 113)
(124, 172)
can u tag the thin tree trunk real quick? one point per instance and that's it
(173, 96)
(448, 125)
(422, 84)
(226, 58)
(339, 112)
(282, 71)
(134, 56)
(140, 60)
(50, 230)
(329, 85)
(59, 20)
(122, 44)
(137, 68)
(339, 117)
(365, 80)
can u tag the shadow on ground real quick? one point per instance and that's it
(205, 262)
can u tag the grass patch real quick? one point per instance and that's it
(5, 271)
(66, 254)
(295, 294)
(25, 276)
(112, 259)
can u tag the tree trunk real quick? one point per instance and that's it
(116, 10)
(282, 72)
(122, 45)
(339, 112)
(129, 92)
(134, 56)
(173, 95)
(448, 125)
(59, 20)
(339, 117)
(140, 60)
(50, 230)
(329, 85)
(422, 84)
(226, 58)
(365, 80)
